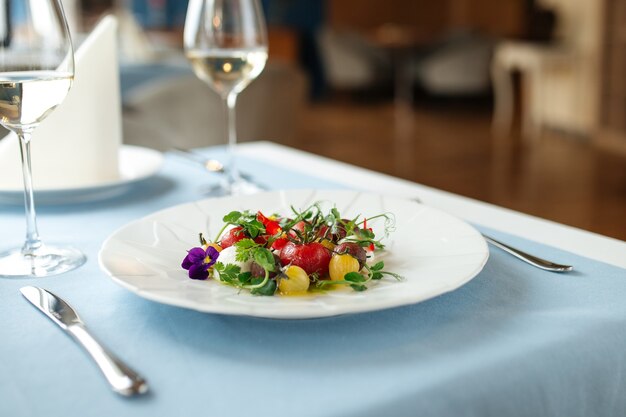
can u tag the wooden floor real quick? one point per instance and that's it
(559, 178)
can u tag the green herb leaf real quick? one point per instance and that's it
(366, 233)
(228, 273)
(377, 275)
(378, 266)
(254, 228)
(244, 277)
(245, 244)
(244, 248)
(354, 277)
(268, 289)
(358, 287)
(265, 259)
(232, 217)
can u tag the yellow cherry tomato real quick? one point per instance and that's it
(327, 244)
(340, 265)
(213, 245)
(295, 282)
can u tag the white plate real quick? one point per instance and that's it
(434, 251)
(136, 164)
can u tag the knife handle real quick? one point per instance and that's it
(122, 379)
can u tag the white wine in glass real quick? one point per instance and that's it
(226, 43)
(36, 73)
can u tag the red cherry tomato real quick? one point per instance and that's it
(233, 236)
(353, 249)
(298, 227)
(279, 243)
(323, 232)
(312, 257)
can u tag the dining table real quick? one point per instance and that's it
(513, 341)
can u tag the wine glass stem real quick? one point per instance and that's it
(233, 172)
(33, 242)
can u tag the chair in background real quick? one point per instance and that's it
(182, 111)
(559, 79)
(535, 62)
(350, 62)
(457, 66)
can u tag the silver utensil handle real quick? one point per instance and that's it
(531, 259)
(122, 379)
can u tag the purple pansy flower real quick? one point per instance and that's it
(198, 261)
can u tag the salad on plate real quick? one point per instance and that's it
(308, 250)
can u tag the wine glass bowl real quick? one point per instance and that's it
(227, 72)
(36, 73)
(226, 44)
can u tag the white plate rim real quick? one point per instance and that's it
(397, 301)
(128, 175)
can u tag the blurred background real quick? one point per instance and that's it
(521, 103)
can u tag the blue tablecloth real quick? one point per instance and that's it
(515, 341)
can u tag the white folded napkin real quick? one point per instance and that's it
(135, 47)
(77, 145)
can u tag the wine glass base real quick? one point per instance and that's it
(224, 188)
(46, 261)
(243, 187)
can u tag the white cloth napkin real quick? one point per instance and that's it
(135, 47)
(78, 144)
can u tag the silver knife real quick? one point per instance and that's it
(214, 166)
(122, 379)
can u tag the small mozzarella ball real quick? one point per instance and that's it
(228, 255)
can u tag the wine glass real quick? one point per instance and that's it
(226, 43)
(36, 72)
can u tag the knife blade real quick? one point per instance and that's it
(122, 379)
